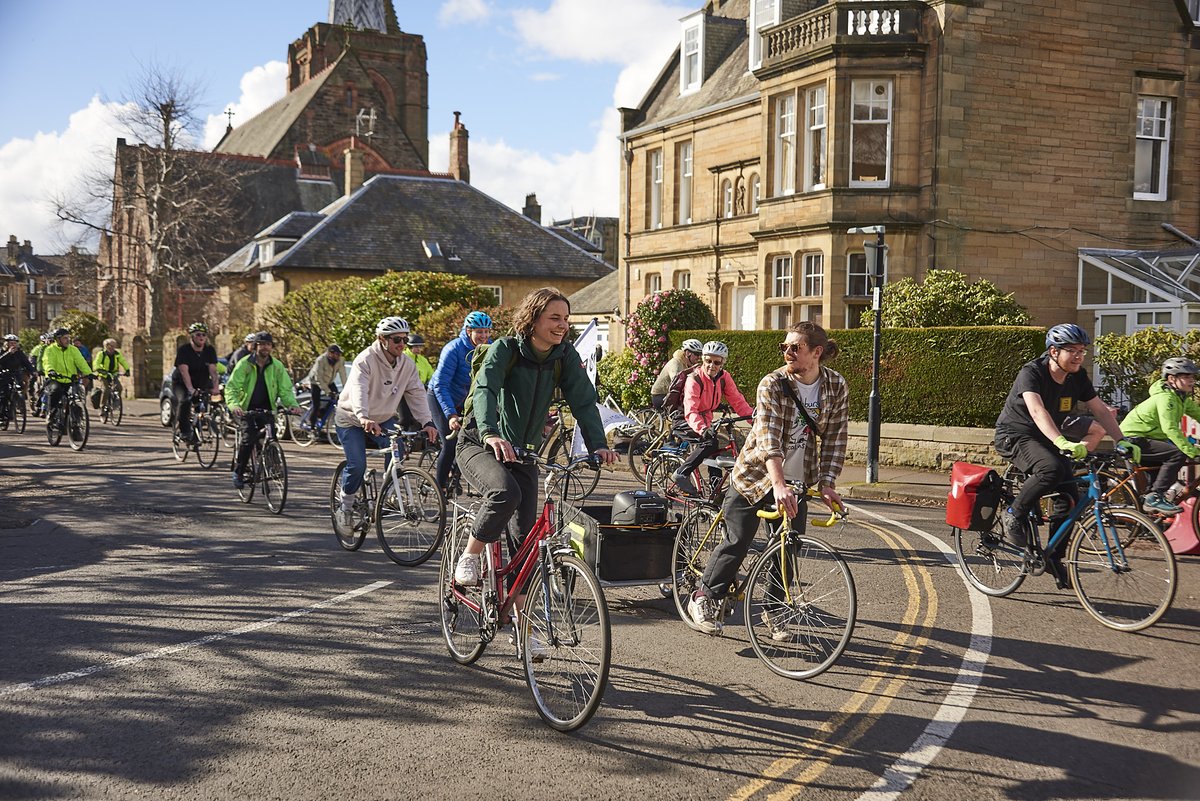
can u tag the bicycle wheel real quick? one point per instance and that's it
(698, 535)
(1126, 588)
(648, 417)
(641, 445)
(659, 471)
(462, 623)
(78, 426)
(17, 413)
(410, 516)
(304, 435)
(253, 466)
(992, 566)
(116, 411)
(228, 427)
(800, 607)
(283, 424)
(274, 476)
(350, 538)
(567, 643)
(178, 446)
(210, 442)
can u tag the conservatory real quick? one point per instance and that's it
(1132, 289)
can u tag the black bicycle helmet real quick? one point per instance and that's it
(263, 337)
(61, 332)
(1179, 365)
(1066, 334)
(416, 340)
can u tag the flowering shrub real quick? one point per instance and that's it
(647, 345)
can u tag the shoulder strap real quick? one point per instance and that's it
(786, 385)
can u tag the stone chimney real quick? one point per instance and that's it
(14, 249)
(27, 248)
(354, 169)
(533, 209)
(460, 166)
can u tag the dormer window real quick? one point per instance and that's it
(763, 14)
(691, 54)
(432, 249)
(1193, 7)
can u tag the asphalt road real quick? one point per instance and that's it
(159, 639)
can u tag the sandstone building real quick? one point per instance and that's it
(1041, 145)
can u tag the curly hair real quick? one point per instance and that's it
(815, 337)
(532, 307)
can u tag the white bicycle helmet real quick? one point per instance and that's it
(391, 325)
(693, 345)
(715, 348)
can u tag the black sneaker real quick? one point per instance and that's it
(1062, 579)
(1016, 531)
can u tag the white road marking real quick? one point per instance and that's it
(168, 650)
(905, 770)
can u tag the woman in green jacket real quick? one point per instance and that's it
(1154, 426)
(509, 402)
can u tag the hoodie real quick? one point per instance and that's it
(375, 389)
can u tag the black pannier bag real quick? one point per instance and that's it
(618, 550)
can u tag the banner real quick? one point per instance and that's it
(586, 345)
(609, 418)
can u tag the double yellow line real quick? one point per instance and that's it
(789, 775)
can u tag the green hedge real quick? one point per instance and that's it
(928, 376)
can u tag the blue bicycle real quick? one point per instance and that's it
(305, 433)
(1117, 560)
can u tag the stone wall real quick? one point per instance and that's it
(927, 447)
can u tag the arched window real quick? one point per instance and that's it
(755, 192)
(727, 198)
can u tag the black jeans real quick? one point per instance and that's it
(507, 487)
(183, 407)
(1165, 456)
(741, 525)
(314, 410)
(55, 391)
(445, 459)
(704, 449)
(252, 426)
(1048, 470)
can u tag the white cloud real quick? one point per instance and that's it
(614, 31)
(260, 87)
(544, 77)
(35, 171)
(455, 12)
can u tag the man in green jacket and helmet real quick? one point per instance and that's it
(259, 382)
(1154, 425)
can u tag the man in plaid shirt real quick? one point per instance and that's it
(781, 447)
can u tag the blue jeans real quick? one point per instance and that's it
(445, 460)
(354, 445)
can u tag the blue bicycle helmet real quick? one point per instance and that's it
(1066, 334)
(477, 319)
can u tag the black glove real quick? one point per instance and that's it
(709, 435)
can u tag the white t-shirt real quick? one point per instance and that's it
(810, 396)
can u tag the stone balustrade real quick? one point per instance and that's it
(852, 19)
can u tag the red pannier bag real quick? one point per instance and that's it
(1180, 534)
(974, 496)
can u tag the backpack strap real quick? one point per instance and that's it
(786, 385)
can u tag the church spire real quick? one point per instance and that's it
(375, 15)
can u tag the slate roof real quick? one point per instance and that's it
(598, 297)
(293, 226)
(38, 265)
(388, 222)
(728, 81)
(262, 133)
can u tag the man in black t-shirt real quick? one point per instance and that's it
(195, 371)
(1029, 431)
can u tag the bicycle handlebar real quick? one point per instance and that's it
(837, 513)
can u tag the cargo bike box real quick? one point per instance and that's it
(628, 542)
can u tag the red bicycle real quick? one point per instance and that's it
(562, 634)
(663, 465)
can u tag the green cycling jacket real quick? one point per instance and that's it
(1158, 417)
(513, 403)
(64, 361)
(241, 384)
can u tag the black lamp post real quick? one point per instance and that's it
(873, 411)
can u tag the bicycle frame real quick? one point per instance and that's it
(1095, 501)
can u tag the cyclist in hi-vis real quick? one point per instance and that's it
(107, 363)
(1154, 426)
(65, 361)
(1030, 435)
(380, 378)
(781, 447)
(259, 382)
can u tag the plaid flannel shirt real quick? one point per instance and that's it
(775, 414)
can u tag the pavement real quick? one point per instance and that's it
(896, 483)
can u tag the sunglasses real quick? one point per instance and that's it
(789, 347)
(717, 362)
(399, 340)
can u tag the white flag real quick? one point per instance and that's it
(608, 418)
(586, 346)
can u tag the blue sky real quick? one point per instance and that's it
(537, 81)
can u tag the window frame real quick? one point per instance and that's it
(816, 139)
(784, 145)
(655, 176)
(867, 274)
(1161, 151)
(653, 284)
(756, 22)
(857, 126)
(497, 290)
(682, 279)
(783, 283)
(727, 198)
(813, 282)
(685, 160)
(689, 24)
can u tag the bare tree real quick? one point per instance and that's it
(172, 211)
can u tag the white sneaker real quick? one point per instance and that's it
(537, 650)
(344, 517)
(779, 632)
(466, 572)
(700, 610)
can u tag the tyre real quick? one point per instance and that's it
(283, 425)
(18, 414)
(648, 417)
(178, 447)
(698, 535)
(303, 435)
(166, 412)
(332, 435)
(992, 566)
(410, 516)
(227, 426)
(659, 471)
(274, 476)
(54, 427)
(801, 606)
(1128, 586)
(210, 442)
(350, 538)
(78, 426)
(635, 455)
(461, 608)
(246, 491)
(567, 643)
(116, 410)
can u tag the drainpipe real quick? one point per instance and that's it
(627, 154)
